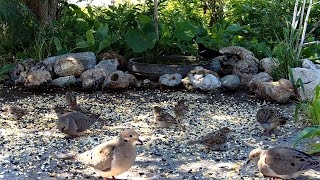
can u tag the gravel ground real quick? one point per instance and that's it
(28, 146)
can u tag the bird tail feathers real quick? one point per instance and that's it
(69, 156)
(193, 142)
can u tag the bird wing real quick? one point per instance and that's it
(100, 157)
(82, 121)
(167, 118)
(288, 161)
(215, 138)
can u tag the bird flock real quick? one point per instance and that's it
(114, 157)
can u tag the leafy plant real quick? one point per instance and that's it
(285, 53)
(309, 132)
(4, 70)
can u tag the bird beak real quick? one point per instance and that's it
(248, 162)
(139, 142)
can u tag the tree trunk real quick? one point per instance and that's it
(44, 10)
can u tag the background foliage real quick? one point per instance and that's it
(128, 29)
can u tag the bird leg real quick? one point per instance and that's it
(113, 178)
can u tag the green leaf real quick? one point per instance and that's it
(139, 41)
(104, 44)
(103, 31)
(82, 44)
(57, 43)
(90, 38)
(308, 132)
(6, 69)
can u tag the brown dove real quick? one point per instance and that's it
(164, 119)
(111, 158)
(14, 112)
(180, 109)
(215, 141)
(73, 123)
(282, 162)
(270, 118)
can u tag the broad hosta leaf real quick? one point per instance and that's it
(185, 31)
(90, 38)
(103, 31)
(104, 44)
(139, 41)
(82, 44)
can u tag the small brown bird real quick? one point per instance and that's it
(180, 109)
(71, 99)
(282, 162)
(215, 141)
(111, 158)
(14, 112)
(164, 119)
(73, 123)
(270, 118)
(72, 105)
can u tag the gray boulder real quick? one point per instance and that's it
(87, 59)
(170, 79)
(230, 82)
(310, 79)
(279, 91)
(109, 65)
(119, 80)
(261, 77)
(64, 81)
(243, 61)
(267, 65)
(68, 66)
(306, 63)
(38, 79)
(93, 78)
(200, 78)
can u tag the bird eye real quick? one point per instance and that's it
(130, 135)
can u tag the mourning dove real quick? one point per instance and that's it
(270, 118)
(215, 140)
(14, 112)
(282, 162)
(111, 158)
(180, 109)
(164, 119)
(73, 123)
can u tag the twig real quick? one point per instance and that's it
(304, 28)
(311, 43)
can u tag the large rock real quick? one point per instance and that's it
(170, 79)
(279, 91)
(306, 63)
(200, 78)
(109, 65)
(267, 65)
(93, 78)
(243, 61)
(119, 80)
(310, 79)
(87, 59)
(230, 82)
(261, 77)
(68, 67)
(214, 65)
(64, 81)
(112, 55)
(38, 79)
